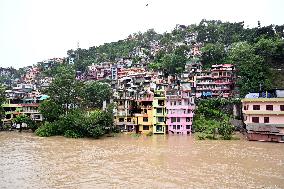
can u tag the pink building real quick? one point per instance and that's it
(264, 118)
(180, 106)
(216, 82)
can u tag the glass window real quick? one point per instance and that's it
(281, 107)
(159, 128)
(160, 119)
(174, 127)
(145, 119)
(145, 127)
(178, 127)
(256, 107)
(269, 107)
(266, 119)
(178, 119)
(173, 119)
(255, 119)
(187, 126)
(159, 110)
(128, 119)
(121, 119)
(187, 119)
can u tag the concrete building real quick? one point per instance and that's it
(264, 117)
(180, 106)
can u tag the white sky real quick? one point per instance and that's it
(35, 30)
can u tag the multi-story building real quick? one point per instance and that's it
(264, 117)
(204, 84)
(215, 82)
(223, 78)
(159, 112)
(180, 106)
(144, 116)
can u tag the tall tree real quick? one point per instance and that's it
(213, 54)
(95, 93)
(253, 71)
(65, 90)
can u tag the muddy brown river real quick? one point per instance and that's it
(28, 161)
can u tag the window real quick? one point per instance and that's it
(174, 127)
(269, 107)
(179, 102)
(160, 102)
(145, 119)
(159, 110)
(178, 127)
(121, 119)
(145, 127)
(188, 111)
(173, 119)
(187, 119)
(245, 108)
(160, 119)
(175, 103)
(36, 116)
(255, 119)
(266, 119)
(281, 107)
(256, 107)
(128, 119)
(178, 119)
(187, 126)
(159, 128)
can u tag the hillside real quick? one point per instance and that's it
(256, 52)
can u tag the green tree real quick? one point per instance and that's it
(253, 71)
(95, 93)
(50, 110)
(213, 54)
(65, 90)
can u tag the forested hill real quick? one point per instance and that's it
(258, 53)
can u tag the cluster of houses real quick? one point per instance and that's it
(22, 99)
(148, 102)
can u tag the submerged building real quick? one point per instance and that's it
(264, 116)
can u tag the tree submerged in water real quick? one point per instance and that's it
(212, 119)
(70, 112)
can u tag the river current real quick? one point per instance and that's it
(124, 161)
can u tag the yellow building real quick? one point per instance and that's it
(144, 119)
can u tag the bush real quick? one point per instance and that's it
(72, 134)
(201, 136)
(226, 130)
(47, 129)
(95, 131)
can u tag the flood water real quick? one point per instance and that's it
(28, 161)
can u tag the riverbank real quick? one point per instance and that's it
(159, 161)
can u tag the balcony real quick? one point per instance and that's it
(180, 115)
(180, 107)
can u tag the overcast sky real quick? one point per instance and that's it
(35, 30)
